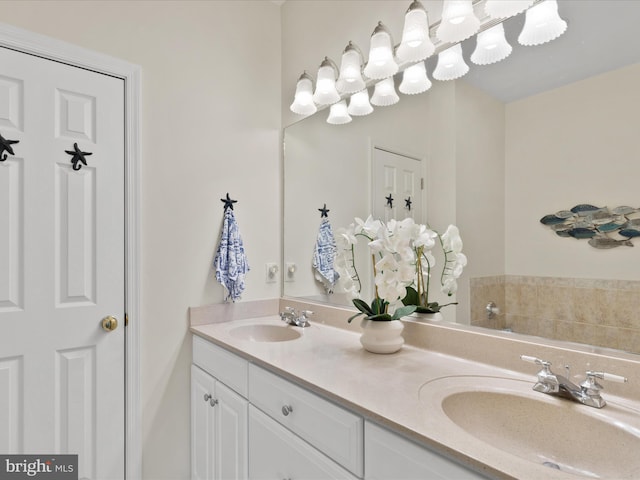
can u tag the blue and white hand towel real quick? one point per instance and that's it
(324, 254)
(230, 261)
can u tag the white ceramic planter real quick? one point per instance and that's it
(382, 337)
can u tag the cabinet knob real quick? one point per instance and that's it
(209, 398)
(286, 410)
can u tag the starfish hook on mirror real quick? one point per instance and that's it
(5, 146)
(77, 157)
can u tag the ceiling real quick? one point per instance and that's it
(600, 37)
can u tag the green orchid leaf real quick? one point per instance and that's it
(378, 306)
(412, 297)
(363, 307)
(354, 316)
(404, 311)
(427, 309)
(380, 317)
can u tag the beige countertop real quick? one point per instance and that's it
(386, 388)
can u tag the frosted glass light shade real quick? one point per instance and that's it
(458, 21)
(381, 63)
(338, 114)
(384, 93)
(416, 44)
(303, 98)
(491, 46)
(450, 65)
(359, 104)
(506, 8)
(542, 24)
(415, 80)
(326, 92)
(350, 79)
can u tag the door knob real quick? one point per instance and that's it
(109, 323)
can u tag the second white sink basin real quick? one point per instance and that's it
(546, 431)
(265, 333)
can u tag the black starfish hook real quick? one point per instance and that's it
(78, 156)
(228, 203)
(407, 203)
(324, 211)
(389, 201)
(5, 145)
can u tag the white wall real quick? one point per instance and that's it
(480, 177)
(210, 125)
(576, 144)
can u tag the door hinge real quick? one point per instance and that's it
(422, 183)
(126, 319)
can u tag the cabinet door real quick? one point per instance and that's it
(278, 454)
(202, 424)
(231, 453)
(391, 457)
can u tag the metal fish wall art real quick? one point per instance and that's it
(603, 227)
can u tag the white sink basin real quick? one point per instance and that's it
(265, 333)
(555, 433)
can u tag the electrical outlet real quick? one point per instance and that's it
(271, 272)
(290, 272)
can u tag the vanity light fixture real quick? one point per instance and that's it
(326, 92)
(359, 104)
(542, 24)
(415, 80)
(506, 8)
(491, 46)
(381, 63)
(303, 99)
(338, 114)
(450, 64)
(416, 44)
(384, 93)
(458, 21)
(350, 79)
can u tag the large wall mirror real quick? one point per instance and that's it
(549, 128)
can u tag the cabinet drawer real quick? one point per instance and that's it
(278, 453)
(391, 457)
(328, 427)
(223, 365)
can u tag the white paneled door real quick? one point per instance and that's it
(62, 263)
(397, 186)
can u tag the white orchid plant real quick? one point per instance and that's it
(403, 260)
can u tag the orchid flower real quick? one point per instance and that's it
(402, 259)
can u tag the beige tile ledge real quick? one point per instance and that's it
(385, 388)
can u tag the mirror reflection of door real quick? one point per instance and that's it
(397, 186)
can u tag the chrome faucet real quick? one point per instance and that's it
(291, 317)
(587, 393)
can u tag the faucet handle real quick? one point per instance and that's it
(591, 378)
(305, 314)
(535, 360)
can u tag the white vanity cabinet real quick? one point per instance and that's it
(247, 422)
(389, 456)
(279, 454)
(334, 431)
(219, 447)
